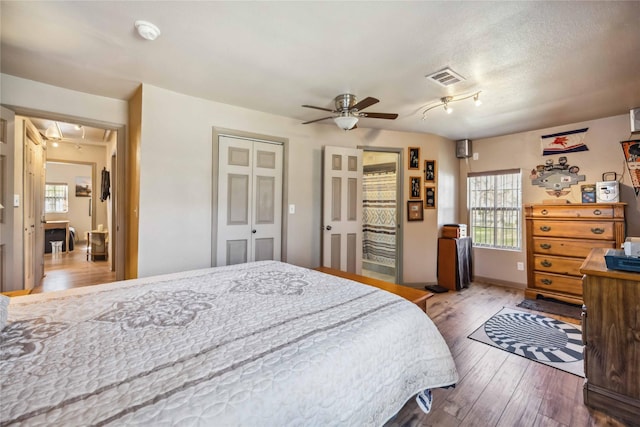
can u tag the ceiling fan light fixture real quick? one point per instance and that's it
(147, 30)
(345, 122)
(476, 99)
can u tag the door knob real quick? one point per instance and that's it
(253, 231)
(328, 227)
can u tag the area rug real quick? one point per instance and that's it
(552, 307)
(536, 337)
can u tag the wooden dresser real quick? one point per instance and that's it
(611, 335)
(559, 238)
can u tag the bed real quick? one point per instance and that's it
(258, 344)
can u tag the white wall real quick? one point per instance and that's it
(176, 182)
(78, 212)
(523, 150)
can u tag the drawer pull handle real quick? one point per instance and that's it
(545, 246)
(597, 212)
(546, 281)
(597, 230)
(546, 263)
(546, 228)
(544, 211)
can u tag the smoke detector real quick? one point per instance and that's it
(147, 30)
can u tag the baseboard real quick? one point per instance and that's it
(497, 282)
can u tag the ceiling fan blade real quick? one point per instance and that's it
(390, 116)
(318, 108)
(317, 120)
(367, 102)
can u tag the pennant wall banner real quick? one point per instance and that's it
(564, 142)
(631, 150)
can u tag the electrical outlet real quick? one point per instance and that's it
(476, 156)
(520, 266)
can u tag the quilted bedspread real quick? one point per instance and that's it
(258, 344)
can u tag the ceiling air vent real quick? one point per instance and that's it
(445, 77)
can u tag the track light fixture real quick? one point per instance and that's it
(446, 100)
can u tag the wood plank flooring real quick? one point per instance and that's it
(496, 388)
(70, 270)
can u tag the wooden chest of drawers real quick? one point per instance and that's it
(611, 336)
(559, 238)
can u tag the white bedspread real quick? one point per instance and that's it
(260, 344)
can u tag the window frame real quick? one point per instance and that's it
(495, 212)
(56, 198)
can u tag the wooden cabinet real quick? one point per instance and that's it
(559, 238)
(97, 245)
(455, 264)
(611, 335)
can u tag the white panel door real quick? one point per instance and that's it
(249, 201)
(342, 209)
(6, 198)
(33, 198)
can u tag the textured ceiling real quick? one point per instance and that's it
(538, 64)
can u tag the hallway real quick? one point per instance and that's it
(72, 270)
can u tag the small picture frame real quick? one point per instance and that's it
(414, 157)
(430, 171)
(429, 197)
(415, 210)
(415, 187)
(83, 186)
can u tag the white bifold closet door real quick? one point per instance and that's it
(249, 201)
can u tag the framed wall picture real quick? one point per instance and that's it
(415, 210)
(415, 187)
(430, 197)
(414, 157)
(430, 171)
(83, 186)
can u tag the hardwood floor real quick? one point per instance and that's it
(71, 270)
(496, 388)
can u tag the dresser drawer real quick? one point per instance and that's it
(573, 211)
(558, 265)
(558, 283)
(574, 229)
(568, 247)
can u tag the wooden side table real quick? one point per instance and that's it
(97, 245)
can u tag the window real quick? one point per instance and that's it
(495, 200)
(56, 198)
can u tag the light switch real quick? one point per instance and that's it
(476, 156)
(16, 200)
(292, 209)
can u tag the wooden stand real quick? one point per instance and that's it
(97, 245)
(454, 263)
(611, 335)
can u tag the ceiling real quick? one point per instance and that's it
(73, 133)
(538, 64)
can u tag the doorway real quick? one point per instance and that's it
(381, 241)
(77, 141)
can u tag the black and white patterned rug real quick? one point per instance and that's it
(536, 337)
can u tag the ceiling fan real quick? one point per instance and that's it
(348, 111)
